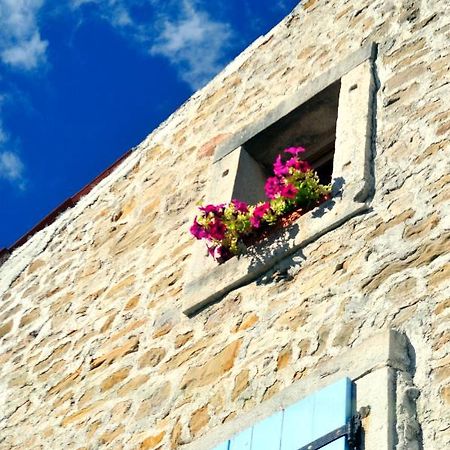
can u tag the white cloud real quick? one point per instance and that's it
(114, 11)
(21, 44)
(181, 31)
(194, 43)
(11, 166)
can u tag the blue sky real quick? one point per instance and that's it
(83, 81)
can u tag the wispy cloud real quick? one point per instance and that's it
(194, 43)
(114, 11)
(23, 48)
(181, 31)
(21, 44)
(11, 166)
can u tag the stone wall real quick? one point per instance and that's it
(94, 348)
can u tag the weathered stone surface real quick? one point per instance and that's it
(94, 348)
(247, 322)
(183, 338)
(114, 378)
(30, 317)
(241, 383)
(156, 403)
(66, 382)
(132, 385)
(131, 346)
(5, 328)
(82, 413)
(175, 437)
(110, 436)
(132, 303)
(284, 357)
(441, 276)
(218, 365)
(151, 441)
(199, 420)
(152, 357)
(294, 318)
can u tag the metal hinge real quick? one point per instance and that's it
(352, 431)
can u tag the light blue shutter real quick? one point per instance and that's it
(223, 446)
(267, 433)
(302, 423)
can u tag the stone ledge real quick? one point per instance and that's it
(370, 365)
(245, 268)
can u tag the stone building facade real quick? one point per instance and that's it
(103, 344)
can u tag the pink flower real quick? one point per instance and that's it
(216, 209)
(273, 187)
(293, 162)
(198, 231)
(217, 229)
(279, 168)
(240, 206)
(289, 191)
(304, 166)
(258, 214)
(295, 150)
(218, 252)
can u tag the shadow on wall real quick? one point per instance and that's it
(281, 251)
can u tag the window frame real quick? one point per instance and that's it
(352, 182)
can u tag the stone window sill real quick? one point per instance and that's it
(243, 269)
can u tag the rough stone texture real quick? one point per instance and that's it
(107, 276)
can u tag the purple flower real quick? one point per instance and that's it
(240, 206)
(273, 187)
(293, 162)
(289, 191)
(258, 214)
(218, 252)
(295, 150)
(279, 168)
(216, 209)
(217, 229)
(198, 231)
(304, 166)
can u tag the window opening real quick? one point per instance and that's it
(311, 125)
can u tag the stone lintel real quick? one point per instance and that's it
(303, 94)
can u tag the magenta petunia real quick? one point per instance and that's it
(273, 187)
(218, 252)
(279, 168)
(198, 231)
(293, 162)
(217, 229)
(258, 214)
(304, 166)
(240, 206)
(289, 191)
(216, 209)
(295, 150)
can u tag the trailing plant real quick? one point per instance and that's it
(294, 186)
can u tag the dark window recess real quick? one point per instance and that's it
(311, 125)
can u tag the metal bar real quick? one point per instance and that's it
(350, 430)
(327, 439)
